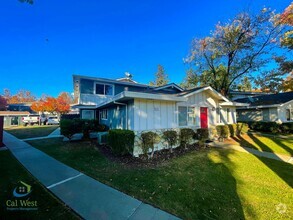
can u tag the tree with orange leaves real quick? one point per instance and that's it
(59, 105)
(38, 106)
(286, 18)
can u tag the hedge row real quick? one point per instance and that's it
(272, 127)
(121, 141)
(69, 127)
(231, 130)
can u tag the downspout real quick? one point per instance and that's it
(126, 109)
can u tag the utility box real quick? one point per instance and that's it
(1, 130)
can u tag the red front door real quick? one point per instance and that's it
(203, 117)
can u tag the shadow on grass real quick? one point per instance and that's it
(282, 145)
(198, 185)
(285, 174)
(262, 146)
(194, 186)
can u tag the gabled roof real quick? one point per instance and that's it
(201, 89)
(186, 92)
(170, 85)
(273, 99)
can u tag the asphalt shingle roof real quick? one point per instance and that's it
(272, 99)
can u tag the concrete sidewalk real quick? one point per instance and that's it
(279, 157)
(86, 196)
(55, 134)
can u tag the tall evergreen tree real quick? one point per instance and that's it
(161, 77)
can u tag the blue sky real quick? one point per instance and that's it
(43, 44)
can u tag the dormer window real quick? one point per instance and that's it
(104, 89)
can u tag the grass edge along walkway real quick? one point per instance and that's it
(86, 196)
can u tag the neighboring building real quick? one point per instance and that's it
(273, 107)
(13, 118)
(234, 95)
(126, 104)
(20, 107)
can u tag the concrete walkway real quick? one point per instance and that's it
(55, 134)
(86, 196)
(279, 157)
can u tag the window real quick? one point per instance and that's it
(88, 114)
(104, 89)
(289, 114)
(86, 86)
(218, 111)
(186, 116)
(191, 116)
(104, 114)
(182, 115)
(228, 114)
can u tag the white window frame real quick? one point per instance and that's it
(104, 84)
(104, 114)
(188, 124)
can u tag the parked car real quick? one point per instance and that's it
(53, 120)
(30, 120)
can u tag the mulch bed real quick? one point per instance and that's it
(142, 161)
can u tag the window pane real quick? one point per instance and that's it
(288, 114)
(191, 116)
(182, 115)
(108, 90)
(88, 114)
(86, 86)
(228, 114)
(218, 115)
(100, 89)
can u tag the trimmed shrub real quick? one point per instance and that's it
(186, 134)
(262, 126)
(121, 141)
(223, 131)
(242, 128)
(203, 134)
(149, 139)
(232, 129)
(286, 128)
(68, 128)
(171, 138)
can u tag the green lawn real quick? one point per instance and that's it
(48, 207)
(207, 184)
(31, 131)
(265, 143)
